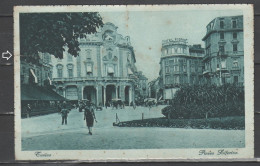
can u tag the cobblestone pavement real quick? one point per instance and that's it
(47, 133)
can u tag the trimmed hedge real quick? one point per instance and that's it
(207, 101)
(228, 123)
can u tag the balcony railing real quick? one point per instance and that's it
(235, 68)
(92, 79)
(206, 72)
(226, 53)
(222, 69)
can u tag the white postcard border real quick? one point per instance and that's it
(147, 154)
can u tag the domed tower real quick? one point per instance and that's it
(178, 66)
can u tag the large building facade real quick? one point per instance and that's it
(36, 70)
(104, 69)
(180, 64)
(224, 58)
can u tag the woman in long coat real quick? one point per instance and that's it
(89, 116)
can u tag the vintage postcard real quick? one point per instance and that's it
(134, 83)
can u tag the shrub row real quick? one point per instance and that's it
(228, 123)
(196, 102)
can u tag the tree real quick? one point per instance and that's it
(51, 32)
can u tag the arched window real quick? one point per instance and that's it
(173, 51)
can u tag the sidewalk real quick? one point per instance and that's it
(47, 133)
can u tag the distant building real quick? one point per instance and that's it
(153, 87)
(142, 86)
(224, 59)
(104, 69)
(180, 64)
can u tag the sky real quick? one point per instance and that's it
(148, 29)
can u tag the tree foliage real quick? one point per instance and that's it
(207, 101)
(51, 32)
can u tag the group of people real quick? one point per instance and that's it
(89, 114)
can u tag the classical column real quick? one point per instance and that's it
(116, 91)
(97, 95)
(79, 87)
(130, 95)
(99, 68)
(104, 95)
(64, 92)
(82, 91)
(122, 94)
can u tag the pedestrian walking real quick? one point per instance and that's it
(89, 116)
(81, 104)
(107, 104)
(64, 113)
(28, 110)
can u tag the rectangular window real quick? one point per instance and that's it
(222, 24)
(70, 72)
(234, 35)
(222, 35)
(171, 62)
(167, 80)
(169, 51)
(167, 69)
(60, 73)
(166, 63)
(173, 51)
(221, 49)
(89, 69)
(192, 69)
(177, 81)
(234, 47)
(234, 24)
(176, 68)
(184, 68)
(235, 64)
(223, 64)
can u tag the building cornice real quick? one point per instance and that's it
(221, 30)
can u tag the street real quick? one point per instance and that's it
(47, 133)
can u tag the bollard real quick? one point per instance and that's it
(142, 116)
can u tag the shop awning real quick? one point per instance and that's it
(110, 70)
(35, 77)
(33, 92)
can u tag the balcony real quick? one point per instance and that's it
(206, 72)
(221, 69)
(223, 54)
(77, 79)
(235, 68)
(230, 53)
(206, 57)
